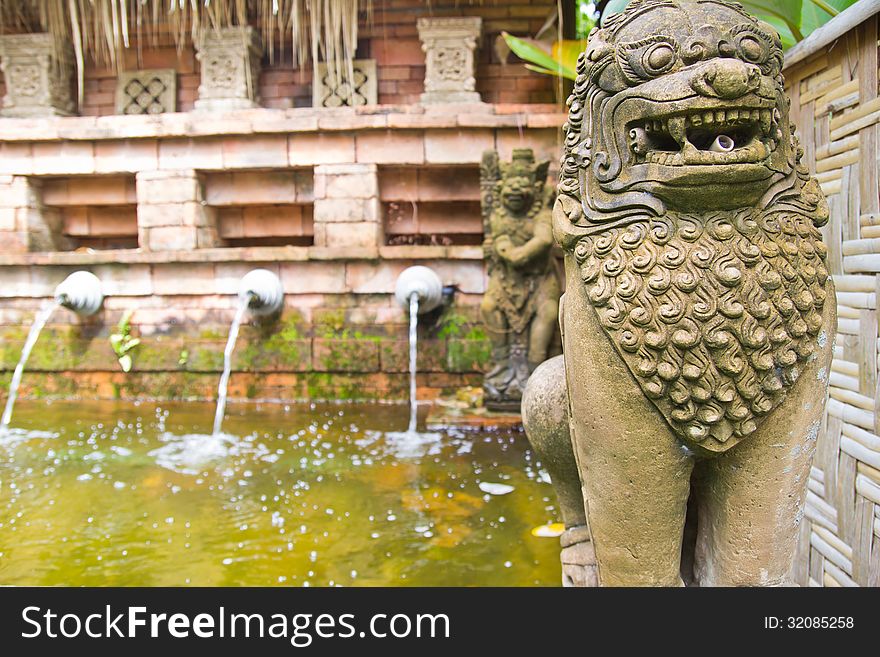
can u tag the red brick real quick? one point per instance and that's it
(399, 52)
(448, 147)
(76, 221)
(112, 222)
(391, 146)
(394, 73)
(320, 148)
(272, 221)
(387, 87)
(98, 190)
(411, 86)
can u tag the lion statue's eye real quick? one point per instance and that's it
(647, 58)
(751, 49)
(659, 57)
(752, 44)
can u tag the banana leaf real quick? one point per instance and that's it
(559, 61)
(793, 19)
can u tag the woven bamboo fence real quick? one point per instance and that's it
(832, 79)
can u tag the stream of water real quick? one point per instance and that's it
(413, 361)
(39, 322)
(227, 364)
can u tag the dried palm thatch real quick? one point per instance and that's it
(103, 29)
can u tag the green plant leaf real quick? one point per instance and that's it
(614, 7)
(567, 52)
(116, 339)
(793, 19)
(125, 363)
(816, 13)
(536, 53)
(547, 71)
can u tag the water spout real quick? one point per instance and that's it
(418, 290)
(259, 292)
(80, 292)
(722, 144)
(421, 281)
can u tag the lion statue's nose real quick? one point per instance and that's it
(726, 78)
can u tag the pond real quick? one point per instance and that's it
(125, 494)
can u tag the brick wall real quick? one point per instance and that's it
(390, 38)
(340, 335)
(394, 44)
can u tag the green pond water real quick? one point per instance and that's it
(125, 494)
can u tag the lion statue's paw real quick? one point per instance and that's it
(578, 558)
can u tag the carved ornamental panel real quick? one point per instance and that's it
(230, 63)
(146, 92)
(38, 78)
(449, 45)
(362, 89)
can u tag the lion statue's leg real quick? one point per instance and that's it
(635, 471)
(545, 418)
(750, 497)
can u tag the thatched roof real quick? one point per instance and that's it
(320, 30)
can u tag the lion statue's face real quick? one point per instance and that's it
(680, 105)
(685, 211)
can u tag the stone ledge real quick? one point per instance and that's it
(243, 254)
(265, 120)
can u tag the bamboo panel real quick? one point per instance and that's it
(831, 101)
(837, 108)
(837, 147)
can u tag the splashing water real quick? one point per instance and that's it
(410, 443)
(227, 363)
(39, 322)
(413, 361)
(133, 504)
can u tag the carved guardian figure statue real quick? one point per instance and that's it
(699, 315)
(521, 304)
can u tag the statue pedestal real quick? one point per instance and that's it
(453, 412)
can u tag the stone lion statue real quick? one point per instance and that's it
(699, 315)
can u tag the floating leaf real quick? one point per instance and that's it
(494, 488)
(552, 530)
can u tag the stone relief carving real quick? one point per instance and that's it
(521, 305)
(699, 312)
(230, 68)
(146, 92)
(362, 89)
(38, 78)
(449, 45)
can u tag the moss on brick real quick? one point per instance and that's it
(274, 346)
(468, 355)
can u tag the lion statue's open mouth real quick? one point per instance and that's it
(705, 136)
